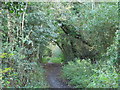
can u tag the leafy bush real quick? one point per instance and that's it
(105, 76)
(27, 74)
(78, 72)
(113, 51)
(82, 73)
(35, 76)
(6, 76)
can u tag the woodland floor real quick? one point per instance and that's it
(52, 73)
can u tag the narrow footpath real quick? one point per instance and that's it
(53, 76)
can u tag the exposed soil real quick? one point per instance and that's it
(53, 76)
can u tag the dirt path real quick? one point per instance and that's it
(53, 76)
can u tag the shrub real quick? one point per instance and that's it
(82, 73)
(26, 74)
(105, 76)
(35, 76)
(113, 51)
(78, 72)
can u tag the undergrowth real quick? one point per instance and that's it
(104, 74)
(21, 74)
(82, 74)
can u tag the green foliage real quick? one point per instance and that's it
(113, 51)
(79, 29)
(56, 60)
(52, 60)
(35, 76)
(104, 77)
(99, 24)
(8, 75)
(14, 7)
(45, 59)
(4, 55)
(78, 72)
(26, 71)
(16, 51)
(82, 74)
(30, 75)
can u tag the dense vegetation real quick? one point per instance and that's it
(86, 37)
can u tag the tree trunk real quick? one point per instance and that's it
(22, 26)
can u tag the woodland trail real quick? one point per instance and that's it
(53, 76)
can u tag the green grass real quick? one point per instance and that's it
(52, 60)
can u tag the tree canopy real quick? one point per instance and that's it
(81, 30)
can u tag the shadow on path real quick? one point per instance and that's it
(53, 75)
